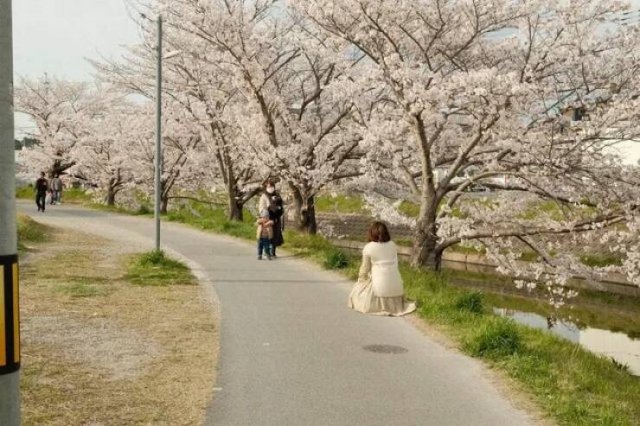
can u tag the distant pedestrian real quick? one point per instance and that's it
(41, 188)
(379, 289)
(264, 234)
(56, 189)
(272, 201)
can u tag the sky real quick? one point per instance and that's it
(56, 37)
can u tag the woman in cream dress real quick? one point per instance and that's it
(379, 289)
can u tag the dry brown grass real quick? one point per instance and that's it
(98, 350)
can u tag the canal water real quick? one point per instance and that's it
(616, 345)
(605, 324)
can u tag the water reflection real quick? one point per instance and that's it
(618, 346)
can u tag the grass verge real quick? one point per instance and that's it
(101, 349)
(154, 268)
(340, 203)
(70, 195)
(30, 231)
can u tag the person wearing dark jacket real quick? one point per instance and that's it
(41, 188)
(272, 200)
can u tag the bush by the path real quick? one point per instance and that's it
(30, 231)
(471, 302)
(336, 259)
(154, 268)
(494, 339)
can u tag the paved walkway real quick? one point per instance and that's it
(292, 353)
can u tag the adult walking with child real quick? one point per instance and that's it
(271, 201)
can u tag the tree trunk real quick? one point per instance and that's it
(426, 253)
(164, 204)
(304, 212)
(113, 188)
(111, 196)
(235, 205)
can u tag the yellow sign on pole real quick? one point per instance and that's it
(9, 315)
(16, 315)
(3, 333)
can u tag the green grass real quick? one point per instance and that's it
(409, 209)
(459, 248)
(543, 208)
(336, 259)
(404, 242)
(25, 192)
(471, 302)
(601, 259)
(341, 204)
(76, 195)
(214, 219)
(84, 287)
(156, 269)
(494, 339)
(71, 195)
(30, 231)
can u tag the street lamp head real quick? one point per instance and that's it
(173, 54)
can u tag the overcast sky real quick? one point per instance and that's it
(55, 36)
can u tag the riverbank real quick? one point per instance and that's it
(569, 384)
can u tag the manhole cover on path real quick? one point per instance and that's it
(385, 349)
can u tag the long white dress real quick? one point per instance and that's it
(379, 289)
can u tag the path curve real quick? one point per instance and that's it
(292, 353)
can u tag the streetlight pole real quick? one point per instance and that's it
(158, 177)
(9, 307)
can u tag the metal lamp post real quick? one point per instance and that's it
(158, 165)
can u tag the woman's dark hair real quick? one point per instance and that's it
(379, 233)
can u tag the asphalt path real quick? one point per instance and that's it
(292, 353)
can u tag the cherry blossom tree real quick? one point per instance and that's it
(482, 93)
(104, 159)
(296, 109)
(210, 107)
(60, 111)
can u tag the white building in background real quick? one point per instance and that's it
(22, 178)
(627, 150)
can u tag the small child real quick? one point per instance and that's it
(264, 234)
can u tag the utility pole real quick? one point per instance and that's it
(9, 307)
(158, 135)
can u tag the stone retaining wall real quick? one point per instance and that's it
(354, 227)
